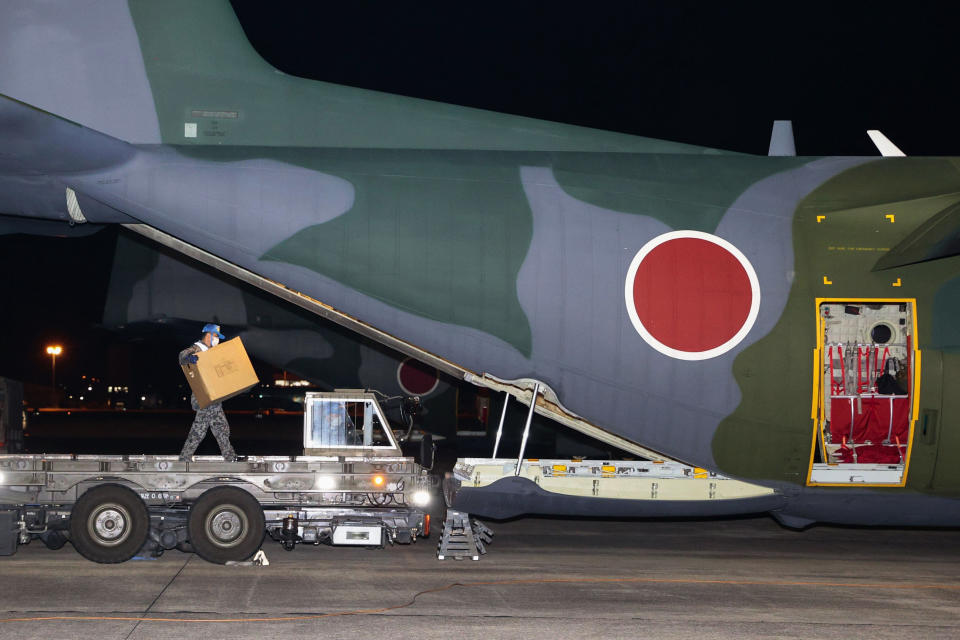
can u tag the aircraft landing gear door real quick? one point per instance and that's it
(865, 391)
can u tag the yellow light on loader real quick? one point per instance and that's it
(378, 480)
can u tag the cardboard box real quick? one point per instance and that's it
(220, 373)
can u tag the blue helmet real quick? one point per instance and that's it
(214, 329)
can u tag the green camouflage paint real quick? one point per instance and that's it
(447, 244)
(945, 335)
(769, 434)
(679, 193)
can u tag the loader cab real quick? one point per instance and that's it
(866, 390)
(346, 422)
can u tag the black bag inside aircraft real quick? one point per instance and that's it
(887, 385)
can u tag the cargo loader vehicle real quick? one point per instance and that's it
(353, 486)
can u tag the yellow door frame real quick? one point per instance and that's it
(817, 410)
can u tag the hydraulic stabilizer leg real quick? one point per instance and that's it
(462, 538)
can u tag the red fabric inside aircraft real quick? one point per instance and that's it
(840, 416)
(844, 454)
(901, 420)
(872, 422)
(691, 294)
(878, 426)
(880, 454)
(871, 454)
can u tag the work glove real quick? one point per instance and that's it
(192, 359)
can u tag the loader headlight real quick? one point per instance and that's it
(421, 498)
(326, 483)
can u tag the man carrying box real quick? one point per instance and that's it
(212, 416)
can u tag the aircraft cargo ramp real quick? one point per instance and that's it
(525, 390)
(496, 488)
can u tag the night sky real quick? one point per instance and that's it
(710, 74)
(714, 74)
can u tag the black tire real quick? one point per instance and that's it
(109, 524)
(53, 539)
(226, 523)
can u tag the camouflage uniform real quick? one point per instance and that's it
(209, 418)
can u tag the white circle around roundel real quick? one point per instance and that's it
(691, 295)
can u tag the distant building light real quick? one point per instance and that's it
(81, 397)
(142, 398)
(89, 388)
(292, 383)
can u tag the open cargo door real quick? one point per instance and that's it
(865, 391)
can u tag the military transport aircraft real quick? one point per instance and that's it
(787, 320)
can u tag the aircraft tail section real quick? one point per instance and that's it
(81, 60)
(183, 72)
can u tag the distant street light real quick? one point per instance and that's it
(54, 351)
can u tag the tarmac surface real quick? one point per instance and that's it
(746, 578)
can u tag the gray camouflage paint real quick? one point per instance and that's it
(612, 361)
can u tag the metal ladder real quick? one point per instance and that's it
(462, 538)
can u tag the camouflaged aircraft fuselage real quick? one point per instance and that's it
(685, 299)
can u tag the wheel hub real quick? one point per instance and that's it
(109, 525)
(226, 526)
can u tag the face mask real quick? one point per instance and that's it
(214, 341)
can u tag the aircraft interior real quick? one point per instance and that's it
(864, 409)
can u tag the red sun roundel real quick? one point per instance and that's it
(691, 295)
(416, 378)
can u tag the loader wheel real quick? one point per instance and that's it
(109, 524)
(226, 523)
